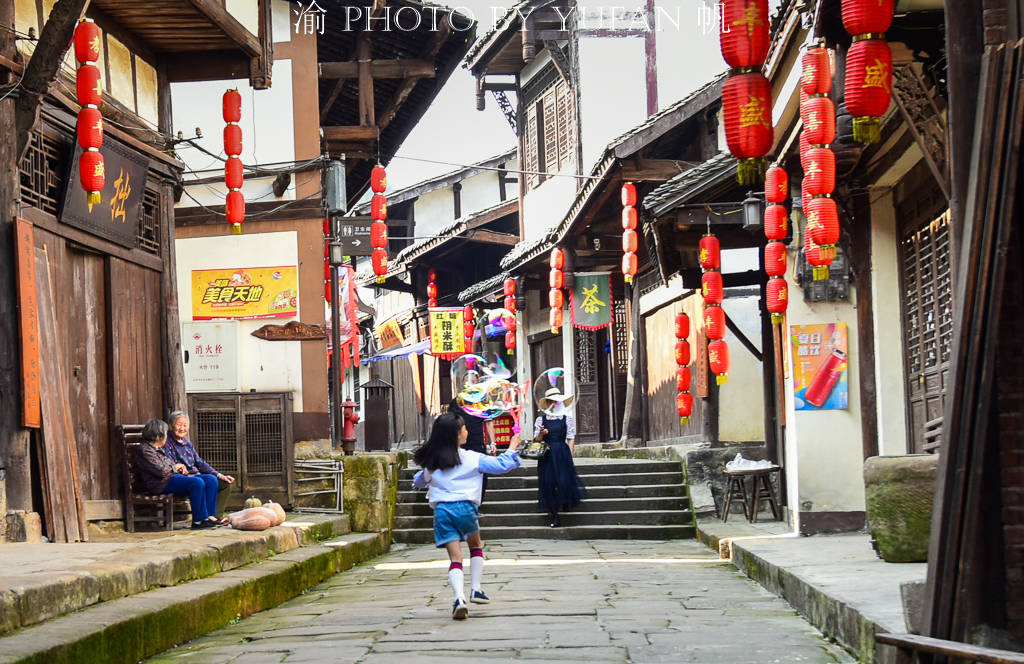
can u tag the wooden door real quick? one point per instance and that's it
(588, 400)
(660, 388)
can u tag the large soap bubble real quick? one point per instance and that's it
(552, 387)
(482, 387)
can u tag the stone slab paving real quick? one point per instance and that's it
(552, 601)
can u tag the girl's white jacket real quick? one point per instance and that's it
(464, 481)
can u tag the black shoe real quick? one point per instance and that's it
(204, 525)
(555, 522)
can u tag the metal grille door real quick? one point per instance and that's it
(263, 442)
(216, 438)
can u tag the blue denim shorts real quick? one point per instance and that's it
(454, 522)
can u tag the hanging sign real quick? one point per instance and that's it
(446, 339)
(28, 323)
(116, 218)
(252, 292)
(820, 372)
(503, 430)
(390, 334)
(590, 300)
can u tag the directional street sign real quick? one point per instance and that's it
(355, 236)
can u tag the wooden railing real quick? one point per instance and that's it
(908, 645)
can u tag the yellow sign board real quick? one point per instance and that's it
(390, 334)
(447, 339)
(252, 292)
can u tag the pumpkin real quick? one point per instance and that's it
(253, 501)
(253, 518)
(278, 511)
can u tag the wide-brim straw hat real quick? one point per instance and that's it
(553, 396)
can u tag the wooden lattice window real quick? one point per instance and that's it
(927, 293)
(620, 333)
(531, 163)
(586, 357)
(549, 138)
(42, 172)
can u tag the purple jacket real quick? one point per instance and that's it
(184, 452)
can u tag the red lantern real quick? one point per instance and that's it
(710, 255)
(468, 330)
(820, 174)
(684, 406)
(776, 222)
(775, 259)
(868, 87)
(629, 241)
(233, 176)
(557, 260)
(379, 235)
(327, 293)
(88, 86)
(378, 179)
(683, 379)
(231, 106)
(510, 303)
(92, 175)
(431, 302)
(90, 128)
(468, 314)
(823, 222)
(776, 184)
(556, 279)
(867, 16)
(816, 257)
(556, 299)
(718, 358)
(818, 115)
(711, 287)
(555, 320)
(747, 107)
(432, 275)
(232, 140)
(432, 291)
(88, 41)
(380, 264)
(682, 352)
(805, 145)
(629, 218)
(816, 71)
(509, 289)
(327, 271)
(235, 207)
(510, 342)
(327, 232)
(629, 266)
(714, 322)
(778, 298)
(379, 207)
(628, 195)
(682, 326)
(510, 322)
(743, 32)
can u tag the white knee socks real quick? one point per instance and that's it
(457, 579)
(476, 567)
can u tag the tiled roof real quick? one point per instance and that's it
(504, 22)
(677, 187)
(484, 287)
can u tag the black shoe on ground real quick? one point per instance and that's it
(204, 525)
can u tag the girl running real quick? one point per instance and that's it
(455, 478)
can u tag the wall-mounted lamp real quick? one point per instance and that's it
(752, 213)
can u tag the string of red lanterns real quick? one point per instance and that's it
(379, 227)
(234, 207)
(817, 112)
(710, 258)
(431, 288)
(629, 236)
(556, 281)
(684, 399)
(468, 326)
(327, 260)
(509, 289)
(868, 82)
(89, 127)
(776, 191)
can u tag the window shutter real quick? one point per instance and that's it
(566, 128)
(552, 128)
(530, 148)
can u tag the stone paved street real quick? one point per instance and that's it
(552, 601)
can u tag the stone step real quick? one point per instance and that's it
(495, 494)
(530, 481)
(538, 518)
(586, 467)
(630, 532)
(490, 506)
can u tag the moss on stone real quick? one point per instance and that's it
(899, 494)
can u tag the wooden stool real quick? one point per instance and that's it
(763, 491)
(737, 489)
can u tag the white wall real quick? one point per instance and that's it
(686, 32)
(545, 206)
(613, 94)
(266, 366)
(246, 12)
(741, 400)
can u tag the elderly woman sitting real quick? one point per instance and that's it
(158, 474)
(180, 449)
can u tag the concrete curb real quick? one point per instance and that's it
(132, 628)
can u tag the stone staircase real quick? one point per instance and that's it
(626, 500)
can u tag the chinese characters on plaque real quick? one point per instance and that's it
(446, 339)
(255, 292)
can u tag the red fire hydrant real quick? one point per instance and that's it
(348, 431)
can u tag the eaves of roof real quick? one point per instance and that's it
(681, 187)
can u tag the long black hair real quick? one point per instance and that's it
(441, 451)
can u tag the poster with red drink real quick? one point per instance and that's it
(820, 372)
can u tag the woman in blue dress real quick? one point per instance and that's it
(559, 487)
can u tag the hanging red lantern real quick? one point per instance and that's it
(432, 275)
(743, 32)
(92, 175)
(231, 106)
(710, 255)
(823, 222)
(510, 342)
(682, 326)
(776, 222)
(327, 293)
(379, 235)
(556, 299)
(327, 271)
(776, 184)
(805, 145)
(629, 241)
(232, 140)
(556, 278)
(555, 320)
(747, 108)
(432, 291)
(88, 41)
(868, 87)
(711, 287)
(718, 358)
(816, 71)
(88, 86)
(380, 264)
(234, 177)
(378, 179)
(867, 16)
(509, 322)
(431, 302)
(557, 259)
(629, 218)
(816, 257)
(510, 303)
(629, 265)
(818, 115)
(714, 322)
(628, 195)
(820, 174)
(468, 315)
(683, 379)
(684, 406)
(468, 330)
(235, 208)
(682, 352)
(509, 288)
(775, 259)
(778, 298)
(89, 128)
(327, 232)
(379, 207)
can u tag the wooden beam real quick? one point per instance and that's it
(499, 87)
(405, 68)
(491, 237)
(367, 115)
(654, 170)
(351, 133)
(311, 208)
(206, 66)
(229, 25)
(389, 111)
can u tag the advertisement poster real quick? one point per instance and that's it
(820, 373)
(252, 292)
(446, 333)
(503, 431)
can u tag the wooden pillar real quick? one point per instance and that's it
(771, 398)
(860, 261)
(632, 413)
(367, 114)
(651, 61)
(171, 351)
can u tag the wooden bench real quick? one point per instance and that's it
(157, 509)
(909, 645)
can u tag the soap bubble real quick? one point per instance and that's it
(482, 385)
(554, 378)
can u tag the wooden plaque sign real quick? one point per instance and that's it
(28, 323)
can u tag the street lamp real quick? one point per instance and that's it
(752, 213)
(335, 196)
